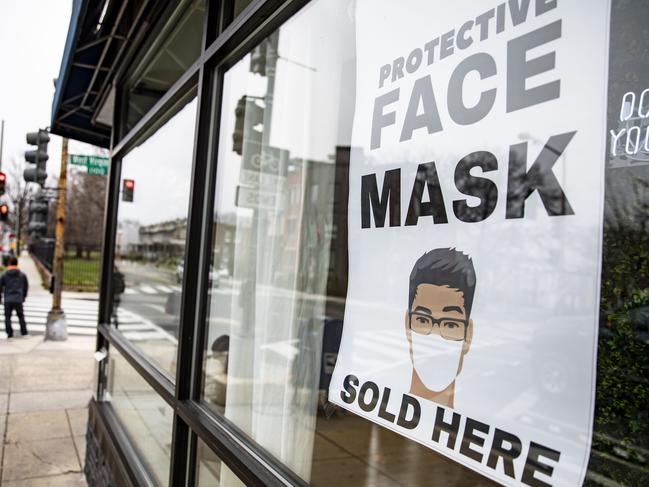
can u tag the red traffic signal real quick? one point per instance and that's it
(3, 180)
(127, 190)
(4, 212)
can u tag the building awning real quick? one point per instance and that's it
(77, 89)
(101, 38)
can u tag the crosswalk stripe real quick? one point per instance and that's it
(142, 289)
(163, 288)
(147, 289)
(81, 319)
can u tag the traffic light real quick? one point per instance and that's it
(37, 218)
(262, 55)
(248, 116)
(38, 173)
(258, 58)
(128, 188)
(4, 212)
(3, 181)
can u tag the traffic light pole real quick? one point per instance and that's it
(56, 328)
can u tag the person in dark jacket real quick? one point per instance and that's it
(14, 286)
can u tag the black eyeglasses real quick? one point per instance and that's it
(449, 328)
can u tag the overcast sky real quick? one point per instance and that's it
(32, 39)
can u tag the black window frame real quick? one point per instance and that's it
(225, 41)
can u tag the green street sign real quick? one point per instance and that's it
(94, 164)
(81, 160)
(100, 169)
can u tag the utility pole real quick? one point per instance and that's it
(56, 328)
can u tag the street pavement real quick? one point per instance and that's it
(44, 392)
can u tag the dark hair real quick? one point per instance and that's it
(444, 267)
(221, 344)
(13, 260)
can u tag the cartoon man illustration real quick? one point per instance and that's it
(438, 324)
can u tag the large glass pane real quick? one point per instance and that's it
(620, 452)
(279, 264)
(176, 47)
(279, 272)
(151, 234)
(145, 416)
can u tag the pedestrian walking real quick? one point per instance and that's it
(14, 286)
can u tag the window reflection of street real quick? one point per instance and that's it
(152, 299)
(150, 241)
(274, 315)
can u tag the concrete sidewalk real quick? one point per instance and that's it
(44, 392)
(27, 265)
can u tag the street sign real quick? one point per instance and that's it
(94, 164)
(263, 167)
(82, 160)
(256, 199)
(100, 169)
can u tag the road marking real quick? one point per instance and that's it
(147, 289)
(81, 319)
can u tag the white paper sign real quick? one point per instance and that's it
(475, 230)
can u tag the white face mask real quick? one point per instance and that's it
(435, 359)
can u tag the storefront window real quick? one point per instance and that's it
(620, 448)
(279, 263)
(151, 235)
(144, 414)
(416, 275)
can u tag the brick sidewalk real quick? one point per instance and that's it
(44, 391)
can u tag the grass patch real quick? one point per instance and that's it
(81, 273)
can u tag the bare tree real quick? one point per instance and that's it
(18, 192)
(85, 210)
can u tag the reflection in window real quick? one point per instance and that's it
(279, 262)
(179, 45)
(144, 414)
(211, 472)
(620, 447)
(150, 242)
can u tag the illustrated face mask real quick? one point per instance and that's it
(435, 359)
